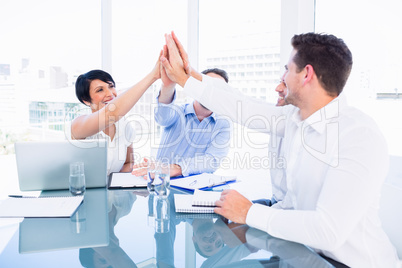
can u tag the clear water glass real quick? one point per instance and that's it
(162, 179)
(77, 178)
(151, 178)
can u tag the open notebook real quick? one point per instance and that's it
(40, 207)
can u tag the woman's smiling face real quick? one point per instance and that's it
(101, 94)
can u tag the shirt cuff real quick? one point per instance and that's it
(194, 88)
(259, 217)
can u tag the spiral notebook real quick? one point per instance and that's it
(40, 207)
(183, 204)
(205, 198)
(203, 216)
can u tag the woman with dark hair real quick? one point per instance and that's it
(96, 89)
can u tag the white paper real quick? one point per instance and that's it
(127, 180)
(41, 207)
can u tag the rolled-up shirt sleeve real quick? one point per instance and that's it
(166, 114)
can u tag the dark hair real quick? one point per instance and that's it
(217, 71)
(329, 56)
(84, 81)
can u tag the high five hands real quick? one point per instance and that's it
(175, 61)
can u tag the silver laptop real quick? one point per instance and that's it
(44, 165)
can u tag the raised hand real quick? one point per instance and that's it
(183, 54)
(174, 65)
(166, 81)
(186, 63)
(156, 71)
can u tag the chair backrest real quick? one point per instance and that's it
(391, 204)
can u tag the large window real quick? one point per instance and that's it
(44, 46)
(243, 38)
(138, 29)
(372, 30)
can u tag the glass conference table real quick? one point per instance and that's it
(130, 228)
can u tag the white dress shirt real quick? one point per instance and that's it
(277, 171)
(336, 162)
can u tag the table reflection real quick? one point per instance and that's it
(88, 227)
(227, 244)
(93, 238)
(119, 205)
(210, 235)
(284, 253)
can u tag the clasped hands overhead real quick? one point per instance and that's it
(174, 61)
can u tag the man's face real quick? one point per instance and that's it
(282, 92)
(293, 81)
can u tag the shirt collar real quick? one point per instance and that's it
(189, 109)
(319, 120)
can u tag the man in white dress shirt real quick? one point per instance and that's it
(275, 152)
(336, 157)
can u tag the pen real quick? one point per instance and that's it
(21, 196)
(193, 182)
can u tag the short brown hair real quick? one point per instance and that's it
(329, 56)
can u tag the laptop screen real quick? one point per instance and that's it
(44, 165)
